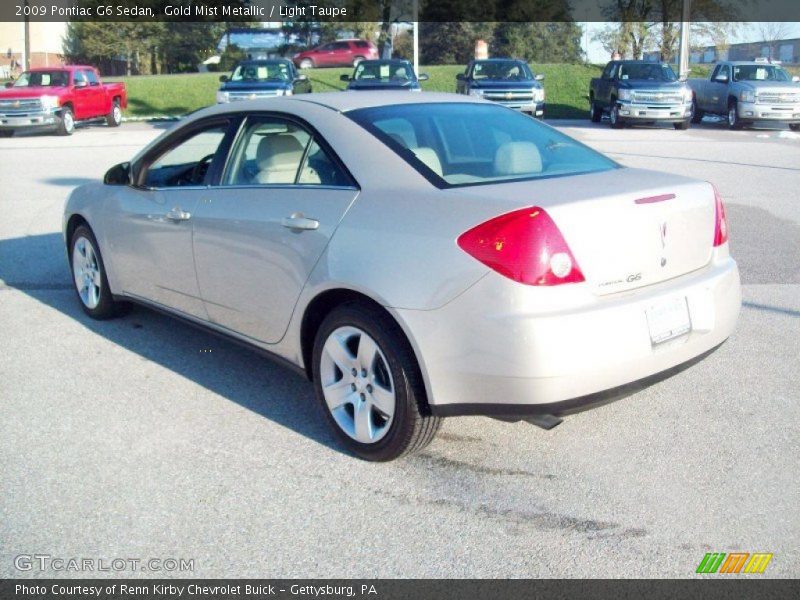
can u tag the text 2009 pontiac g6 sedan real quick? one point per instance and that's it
(417, 257)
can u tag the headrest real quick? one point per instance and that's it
(429, 158)
(278, 151)
(517, 158)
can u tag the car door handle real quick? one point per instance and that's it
(298, 222)
(176, 214)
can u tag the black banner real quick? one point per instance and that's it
(399, 10)
(734, 586)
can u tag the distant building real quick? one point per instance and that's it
(46, 44)
(786, 51)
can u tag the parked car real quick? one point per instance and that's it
(56, 97)
(341, 53)
(746, 92)
(262, 79)
(507, 81)
(415, 256)
(636, 91)
(384, 75)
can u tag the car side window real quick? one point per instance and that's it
(341, 46)
(607, 70)
(188, 162)
(723, 72)
(78, 77)
(91, 77)
(319, 169)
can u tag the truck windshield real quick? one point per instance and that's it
(459, 144)
(262, 72)
(383, 71)
(42, 79)
(647, 72)
(759, 73)
(502, 69)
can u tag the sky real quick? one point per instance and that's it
(748, 33)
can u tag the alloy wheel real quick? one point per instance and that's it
(357, 384)
(86, 271)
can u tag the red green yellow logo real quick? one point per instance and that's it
(734, 562)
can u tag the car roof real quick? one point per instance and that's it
(499, 59)
(62, 68)
(263, 61)
(385, 60)
(750, 63)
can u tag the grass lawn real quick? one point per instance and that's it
(566, 87)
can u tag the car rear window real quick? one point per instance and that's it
(461, 144)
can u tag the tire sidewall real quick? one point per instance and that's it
(67, 117)
(106, 306)
(115, 116)
(389, 340)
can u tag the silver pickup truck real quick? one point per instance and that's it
(746, 92)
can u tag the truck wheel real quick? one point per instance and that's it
(369, 386)
(682, 126)
(734, 122)
(792, 126)
(595, 114)
(66, 122)
(697, 114)
(114, 118)
(6, 133)
(616, 122)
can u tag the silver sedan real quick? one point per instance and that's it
(415, 256)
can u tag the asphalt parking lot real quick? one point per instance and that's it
(143, 437)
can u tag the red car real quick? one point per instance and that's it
(56, 97)
(341, 53)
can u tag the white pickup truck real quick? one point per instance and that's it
(746, 92)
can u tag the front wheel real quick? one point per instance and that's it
(89, 276)
(369, 386)
(114, 118)
(6, 133)
(682, 126)
(616, 122)
(66, 122)
(595, 114)
(306, 63)
(697, 114)
(733, 116)
(794, 126)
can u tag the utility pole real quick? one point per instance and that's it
(26, 40)
(416, 36)
(683, 64)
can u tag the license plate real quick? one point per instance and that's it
(668, 319)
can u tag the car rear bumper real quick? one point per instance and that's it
(503, 348)
(641, 112)
(769, 112)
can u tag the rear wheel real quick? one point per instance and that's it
(794, 126)
(682, 126)
(369, 386)
(89, 276)
(6, 133)
(697, 114)
(66, 122)
(114, 118)
(306, 63)
(616, 122)
(595, 114)
(733, 116)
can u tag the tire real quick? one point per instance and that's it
(66, 122)
(616, 122)
(6, 133)
(306, 63)
(697, 114)
(794, 126)
(682, 126)
(380, 416)
(595, 114)
(114, 118)
(357, 60)
(89, 276)
(734, 122)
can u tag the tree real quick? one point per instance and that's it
(449, 43)
(772, 32)
(539, 42)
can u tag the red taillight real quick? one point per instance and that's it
(524, 245)
(720, 222)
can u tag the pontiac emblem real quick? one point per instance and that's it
(15, 104)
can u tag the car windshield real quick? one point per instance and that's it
(42, 79)
(278, 71)
(383, 71)
(502, 69)
(459, 144)
(759, 73)
(647, 72)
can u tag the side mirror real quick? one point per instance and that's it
(460, 77)
(9, 84)
(223, 78)
(344, 77)
(539, 77)
(81, 84)
(301, 78)
(721, 79)
(118, 174)
(795, 79)
(422, 77)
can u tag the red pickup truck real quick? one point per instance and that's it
(56, 97)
